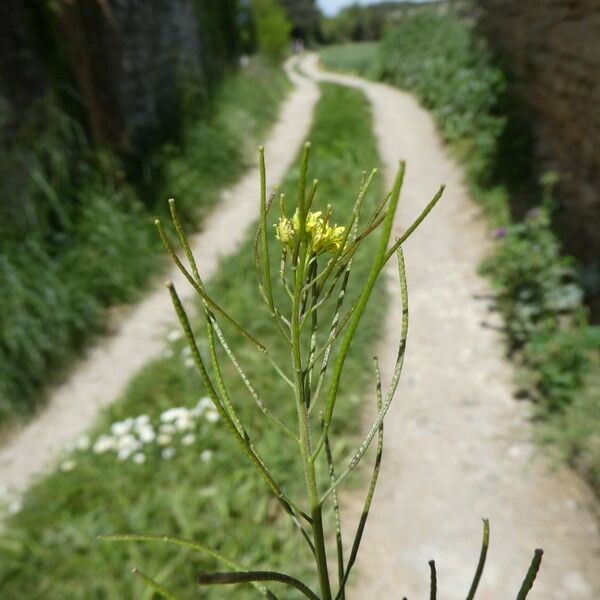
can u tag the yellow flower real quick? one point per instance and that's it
(323, 237)
(312, 220)
(327, 239)
(284, 231)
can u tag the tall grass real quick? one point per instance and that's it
(75, 235)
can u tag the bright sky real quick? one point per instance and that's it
(330, 7)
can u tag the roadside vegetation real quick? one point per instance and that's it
(75, 239)
(149, 467)
(538, 289)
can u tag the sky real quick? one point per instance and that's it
(330, 7)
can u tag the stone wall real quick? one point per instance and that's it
(552, 47)
(126, 60)
(22, 74)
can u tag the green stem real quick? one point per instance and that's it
(304, 431)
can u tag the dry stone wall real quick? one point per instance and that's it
(126, 60)
(553, 49)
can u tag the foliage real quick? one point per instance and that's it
(70, 219)
(541, 299)
(304, 15)
(442, 61)
(538, 287)
(272, 28)
(356, 23)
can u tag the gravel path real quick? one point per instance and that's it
(103, 374)
(458, 445)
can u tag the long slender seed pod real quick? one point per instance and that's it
(301, 203)
(336, 514)
(370, 491)
(154, 585)
(482, 556)
(336, 315)
(266, 264)
(433, 581)
(225, 578)
(184, 543)
(311, 194)
(363, 299)
(242, 442)
(325, 362)
(393, 384)
(532, 572)
(246, 380)
(202, 293)
(415, 223)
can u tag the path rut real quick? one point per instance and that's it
(458, 445)
(107, 368)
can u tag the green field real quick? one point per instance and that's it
(359, 58)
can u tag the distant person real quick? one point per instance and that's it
(298, 45)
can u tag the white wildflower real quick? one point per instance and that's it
(174, 335)
(204, 403)
(163, 439)
(168, 428)
(212, 416)
(172, 414)
(167, 353)
(83, 443)
(168, 453)
(124, 453)
(184, 423)
(121, 427)
(188, 439)
(103, 443)
(206, 455)
(68, 465)
(127, 441)
(139, 458)
(186, 351)
(147, 434)
(189, 362)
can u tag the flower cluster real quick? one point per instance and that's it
(136, 437)
(323, 236)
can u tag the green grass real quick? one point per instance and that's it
(49, 549)
(359, 58)
(57, 284)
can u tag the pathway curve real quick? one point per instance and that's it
(107, 368)
(457, 443)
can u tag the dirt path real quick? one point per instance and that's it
(457, 443)
(107, 368)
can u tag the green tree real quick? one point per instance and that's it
(272, 28)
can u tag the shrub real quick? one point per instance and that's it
(541, 299)
(446, 65)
